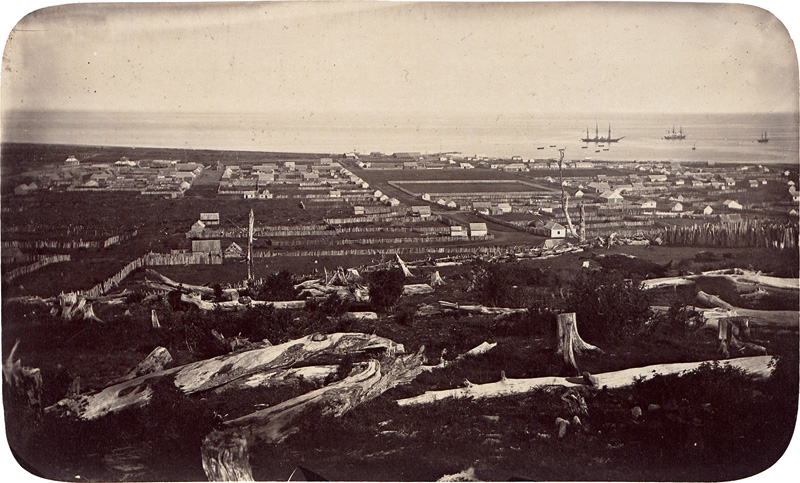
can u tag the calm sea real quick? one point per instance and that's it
(714, 137)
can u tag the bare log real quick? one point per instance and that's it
(417, 289)
(782, 319)
(283, 377)
(365, 316)
(183, 287)
(746, 280)
(274, 424)
(481, 348)
(218, 371)
(758, 367)
(238, 305)
(480, 309)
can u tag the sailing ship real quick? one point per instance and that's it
(672, 136)
(598, 139)
(763, 138)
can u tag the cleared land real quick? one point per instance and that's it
(478, 187)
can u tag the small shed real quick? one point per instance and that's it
(551, 229)
(209, 218)
(233, 252)
(478, 229)
(207, 246)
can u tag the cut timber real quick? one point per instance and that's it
(480, 309)
(272, 425)
(218, 371)
(779, 319)
(759, 367)
(569, 341)
(417, 289)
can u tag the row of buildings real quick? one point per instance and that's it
(149, 177)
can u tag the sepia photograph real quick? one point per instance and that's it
(399, 241)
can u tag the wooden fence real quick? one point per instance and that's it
(67, 244)
(746, 233)
(368, 241)
(43, 261)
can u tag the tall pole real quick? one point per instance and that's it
(564, 195)
(250, 247)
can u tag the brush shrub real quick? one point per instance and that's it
(385, 288)
(608, 307)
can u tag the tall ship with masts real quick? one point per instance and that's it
(763, 138)
(598, 139)
(675, 136)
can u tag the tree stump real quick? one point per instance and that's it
(226, 458)
(570, 342)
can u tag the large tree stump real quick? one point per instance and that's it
(226, 457)
(570, 342)
(25, 383)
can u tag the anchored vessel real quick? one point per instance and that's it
(598, 139)
(675, 135)
(763, 138)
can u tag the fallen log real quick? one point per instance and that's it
(745, 280)
(782, 319)
(222, 450)
(480, 309)
(238, 305)
(166, 282)
(316, 375)
(158, 359)
(758, 366)
(417, 289)
(363, 316)
(218, 371)
(481, 348)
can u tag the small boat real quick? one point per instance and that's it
(540, 147)
(552, 145)
(605, 149)
(694, 147)
(596, 150)
(584, 147)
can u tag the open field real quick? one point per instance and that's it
(477, 187)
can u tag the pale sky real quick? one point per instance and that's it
(401, 57)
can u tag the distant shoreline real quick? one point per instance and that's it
(155, 151)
